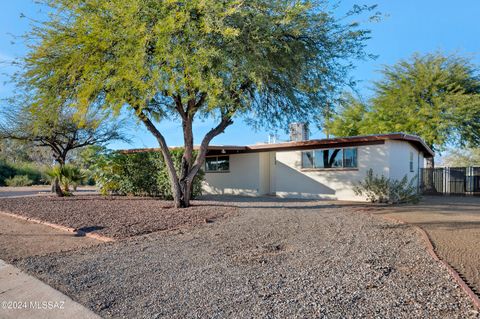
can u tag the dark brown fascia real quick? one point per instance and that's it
(418, 143)
(310, 144)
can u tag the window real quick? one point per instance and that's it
(307, 159)
(217, 164)
(350, 157)
(411, 162)
(330, 158)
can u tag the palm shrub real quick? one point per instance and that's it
(380, 189)
(66, 176)
(72, 176)
(55, 176)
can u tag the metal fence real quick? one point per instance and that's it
(450, 181)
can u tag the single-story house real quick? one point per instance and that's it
(324, 168)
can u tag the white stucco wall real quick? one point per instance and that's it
(280, 173)
(399, 159)
(244, 177)
(293, 181)
(264, 172)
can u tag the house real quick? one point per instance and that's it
(323, 169)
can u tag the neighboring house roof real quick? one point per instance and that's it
(312, 144)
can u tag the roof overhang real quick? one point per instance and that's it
(352, 141)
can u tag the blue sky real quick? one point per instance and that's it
(409, 26)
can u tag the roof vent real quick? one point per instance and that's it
(298, 132)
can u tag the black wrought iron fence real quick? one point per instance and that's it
(450, 181)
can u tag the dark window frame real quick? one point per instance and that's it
(343, 161)
(217, 170)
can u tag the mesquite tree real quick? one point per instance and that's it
(60, 130)
(434, 96)
(270, 61)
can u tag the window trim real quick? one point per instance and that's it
(343, 168)
(216, 171)
(411, 163)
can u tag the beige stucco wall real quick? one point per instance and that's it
(244, 177)
(292, 181)
(280, 173)
(399, 159)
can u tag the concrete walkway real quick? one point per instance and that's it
(22, 296)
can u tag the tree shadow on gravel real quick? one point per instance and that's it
(88, 229)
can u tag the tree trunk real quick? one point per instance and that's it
(56, 187)
(167, 157)
(187, 159)
(181, 187)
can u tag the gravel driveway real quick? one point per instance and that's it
(274, 259)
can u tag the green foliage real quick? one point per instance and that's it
(6, 171)
(86, 158)
(19, 180)
(67, 175)
(15, 151)
(72, 176)
(380, 189)
(34, 172)
(139, 174)
(273, 60)
(349, 120)
(434, 96)
(463, 157)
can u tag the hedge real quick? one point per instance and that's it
(138, 174)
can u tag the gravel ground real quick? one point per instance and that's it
(116, 217)
(20, 238)
(453, 225)
(273, 259)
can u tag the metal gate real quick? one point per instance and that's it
(450, 181)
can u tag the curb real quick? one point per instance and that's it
(431, 250)
(60, 227)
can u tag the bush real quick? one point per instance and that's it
(6, 171)
(9, 170)
(138, 174)
(68, 175)
(19, 180)
(380, 189)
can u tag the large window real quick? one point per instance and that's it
(217, 164)
(330, 158)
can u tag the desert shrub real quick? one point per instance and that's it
(34, 172)
(138, 174)
(6, 172)
(380, 189)
(18, 180)
(9, 170)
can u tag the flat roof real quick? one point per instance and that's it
(416, 141)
